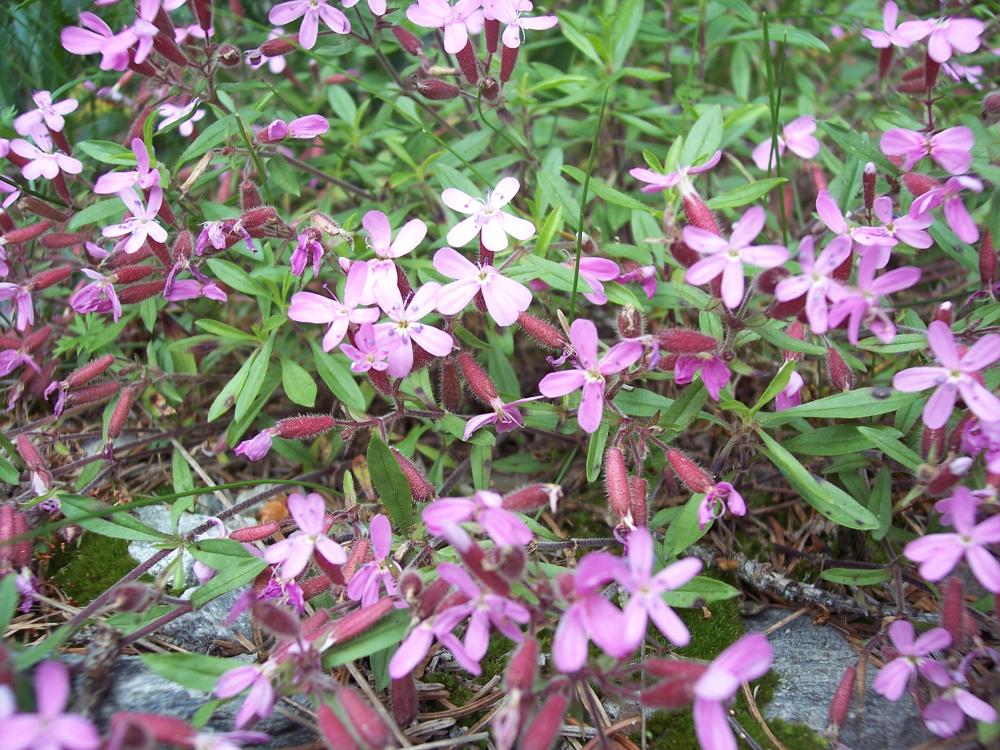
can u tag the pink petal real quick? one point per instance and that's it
(504, 192)
(456, 296)
(892, 679)
(433, 340)
(463, 233)
(703, 241)
(942, 343)
(557, 384)
(308, 511)
(620, 356)
(583, 336)
(706, 269)
(569, 645)
(411, 235)
(829, 212)
(918, 378)
(51, 689)
(307, 307)
(747, 228)
(711, 725)
(452, 264)
(732, 285)
(940, 406)
(591, 406)
(667, 622)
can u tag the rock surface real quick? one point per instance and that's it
(810, 661)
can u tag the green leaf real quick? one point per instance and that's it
(857, 576)
(338, 379)
(481, 464)
(232, 275)
(782, 33)
(857, 145)
(776, 386)
(297, 383)
(698, 591)
(224, 331)
(97, 213)
(863, 402)
(745, 194)
(892, 446)
(825, 497)
(9, 597)
(342, 104)
(640, 402)
(228, 578)
(628, 19)
(210, 137)
(107, 152)
(577, 39)
(386, 633)
(8, 473)
(219, 553)
(255, 379)
(98, 517)
(193, 671)
(881, 503)
(705, 136)
(835, 440)
(603, 190)
(227, 396)
(684, 530)
(595, 451)
(390, 483)
(455, 427)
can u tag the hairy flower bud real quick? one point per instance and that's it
(987, 262)
(490, 88)
(508, 59)
(60, 240)
(639, 500)
(313, 587)
(523, 666)
(203, 13)
(543, 729)
(14, 555)
(29, 453)
(841, 703)
(407, 40)
(918, 184)
(26, 234)
(616, 482)
(403, 698)
(932, 441)
(38, 207)
(953, 610)
(683, 341)
(698, 214)
(89, 371)
(533, 497)
(94, 393)
(249, 195)
(133, 597)
(120, 414)
(255, 533)
(279, 47)
(139, 292)
(436, 89)
(277, 620)
(51, 277)
(629, 321)
(479, 382)
(451, 385)
(884, 61)
(304, 426)
(841, 377)
(543, 332)
(691, 475)
(676, 690)
(229, 56)
(419, 486)
(358, 622)
(364, 720)
(868, 185)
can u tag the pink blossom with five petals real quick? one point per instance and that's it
(309, 307)
(505, 298)
(405, 328)
(797, 136)
(487, 218)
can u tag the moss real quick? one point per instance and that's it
(85, 572)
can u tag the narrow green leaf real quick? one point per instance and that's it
(776, 386)
(227, 579)
(193, 671)
(595, 451)
(386, 633)
(881, 503)
(705, 136)
(698, 591)
(857, 576)
(863, 402)
(255, 379)
(745, 194)
(892, 446)
(81, 510)
(390, 484)
(338, 379)
(297, 383)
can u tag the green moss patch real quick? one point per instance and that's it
(85, 572)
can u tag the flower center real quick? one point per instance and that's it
(593, 375)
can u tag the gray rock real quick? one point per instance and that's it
(135, 688)
(158, 517)
(198, 630)
(810, 661)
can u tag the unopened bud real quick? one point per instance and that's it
(676, 690)
(991, 108)
(523, 666)
(139, 292)
(691, 475)
(698, 214)
(868, 185)
(987, 262)
(409, 586)
(403, 697)
(358, 556)
(943, 313)
(258, 218)
(255, 533)
(26, 234)
(490, 89)
(28, 453)
(305, 426)
(132, 597)
(313, 587)
(249, 195)
(435, 89)
(334, 731)
(948, 476)
(94, 393)
(277, 620)
(932, 442)
(543, 730)
(918, 184)
(683, 341)
(616, 482)
(120, 414)
(130, 274)
(60, 240)
(953, 610)
(683, 254)
(278, 47)
(884, 61)
(430, 598)
(533, 497)
(479, 382)
(638, 500)
(358, 622)
(13, 524)
(203, 13)
(364, 720)
(38, 207)
(543, 332)
(451, 385)
(419, 486)
(508, 59)
(841, 377)
(51, 277)
(407, 40)
(629, 322)
(841, 703)
(492, 28)
(931, 68)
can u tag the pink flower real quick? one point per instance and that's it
(945, 716)
(486, 218)
(23, 306)
(506, 416)
(456, 20)
(727, 258)
(862, 303)
(377, 7)
(509, 12)
(646, 591)
(816, 280)
(908, 228)
(797, 136)
(13, 194)
(142, 224)
(258, 446)
(259, 701)
(43, 159)
(98, 296)
(142, 176)
(938, 554)
(310, 11)
(294, 552)
(186, 115)
(590, 617)
(590, 373)
(951, 35)
(643, 275)
(914, 656)
(140, 34)
(678, 178)
(979, 436)
(382, 270)
(714, 371)
(49, 727)
(951, 148)
(11, 359)
(366, 354)
(404, 329)
(444, 517)
(956, 374)
(305, 128)
(368, 580)
(505, 298)
(719, 497)
(831, 215)
(193, 289)
(309, 246)
(419, 641)
(955, 212)
(91, 37)
(308, 307)
(896, 36)
(47, 113)
(791, 395)
(595, 271)
(747, 659)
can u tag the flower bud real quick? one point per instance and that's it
(360, 552)
(523, 666)
(991, 108)
(868, 185)
(841, 703)
(932, 441)
(255, 533)
(120, 414)
(884, 61)
(490, 89)
(508, 59)
(249, 195)
(953, 610)
(60, 240)
(436, 90)
(51, 277)
(29, 453)
(278, 47)
(26, 234)
(698, 214)
(638, 500)
(677, 688)
(139, 292)
(36, 338)
(451, 385)
(818, 178)
(948, 476)
(203, 13)
(542, 731)
(410, 586)
(943, 313)
(13, 524)
(363, 719)
(543, 332)
(533, 497)
(987, 262)
(358, 622)
(313, 587)
(918, 184)
(931, 68)
(419, 486)
(335, 733)
(630, 324)
(683, 341)
(305, 426)
(277, 620)
(841, 377)
(94, 393)
(691, 475)
(229, 56)
(407, 40)
(616, 482)
(492, 28)
(403, 697)
(38, 207)
(479, 382)
(132, 597)
(130, 274)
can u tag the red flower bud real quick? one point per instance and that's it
(479, 382)
(419, 486)
(683, 341)
(523, 667)
(533, 497)
(629, 321)
(59, 240)
(430, 597)
(693, 476)
(359, 553)
(120, 414)
(407, 40)
(139, 292)
(255, 533)
(436, 90)
(868, 185)
(683, 254)
(884, 61)
(38, 207)
(249, 196)
(542, 731)
(639, 500)
(918, 184)
(987, 262)
(931, 68)
(699, 215)
(492, 28)
(305, 426)
(841, 703)
(26, 234)
(451, 385)
(616, 482)
(543, 332)
(228, 55)
(403, 697)
(280, 46)
(203, 12)
(677, 688)
(358, 622)
(838, 371)
(51, 277)
(277, 620)
(336, 734)
(28, 453)
(364, 720)
(258, 218)
(953, 610)
(36, 338)
(818, 178)
(94, 393)
(932, 441)
(13, 524)
(129, 274)
(313, 587)
(508, 59)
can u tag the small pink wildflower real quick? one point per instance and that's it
(506, 416)
(308, 246)
(816, 280)
(382, 269)
(368, 581)
(951, 35)
(914, 655)
(797, 136)
(23, 306)
(366, 354)
(714, 371)
(187, 115)
(294, 552)
(309, 307)
(719, 497)
(186, 289)
(950, 148)
(142, 176)
(938, 554)
(505, 298)
(901, 36)
(43, 159)
(791, 395)
(510, 12)
(404, 329)
(946, 715)
(46, 114)
(457, 20)
(727, 257)
(486, 218)
(955, 213)
(595, 271)
(311, 12)
(862, 302)
(93, 36)
(11, 359)
(303, 128)
(956, 374)
(259, 701)
(50, 727)
(142, 224)
(420, 639)
(589, 617)
(590, 372)
(255, 448)
(907, 228)
(97, 296)
(444, 517)
(679, 178)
